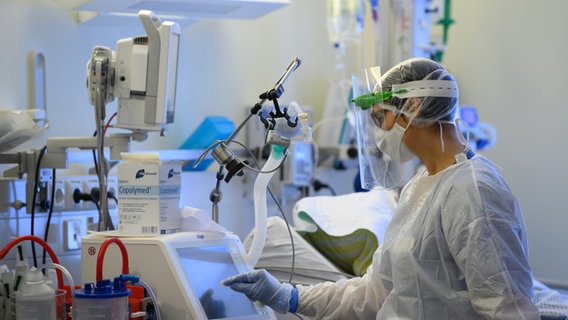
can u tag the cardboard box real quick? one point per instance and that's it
(149, 193)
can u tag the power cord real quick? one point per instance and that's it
(96, 195)
(111, 195)
(79, 196)
(318, 185)
(49, 215)
(33, 204)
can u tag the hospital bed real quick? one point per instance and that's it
(328, 233)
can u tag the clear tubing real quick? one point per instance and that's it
(295, 107)
(67, 274)
(260, 208)
(154, 299)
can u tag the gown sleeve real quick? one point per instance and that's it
(355, 298)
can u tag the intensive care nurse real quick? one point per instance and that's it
(456, 247)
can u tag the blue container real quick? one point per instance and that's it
(212, 128)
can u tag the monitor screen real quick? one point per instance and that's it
(469, 115)
(205, 268)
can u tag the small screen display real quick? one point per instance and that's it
(205, 268)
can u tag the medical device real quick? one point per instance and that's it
(270, 118)
(481, 135)
(283, 125)
(184, 270)
(300, 167)
(142, 75)
(145, 76)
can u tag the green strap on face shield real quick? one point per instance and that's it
(365, 101)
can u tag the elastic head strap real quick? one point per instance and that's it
(426, 88)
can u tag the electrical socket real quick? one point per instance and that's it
(89, 185)
(72, 232)
(59, 196)
(66, 186)
(70, 186)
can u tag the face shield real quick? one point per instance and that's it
(376, 169)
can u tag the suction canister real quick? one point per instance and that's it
(105, 300)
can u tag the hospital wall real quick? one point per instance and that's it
(506, 55)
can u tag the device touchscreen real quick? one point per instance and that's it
(206, 267)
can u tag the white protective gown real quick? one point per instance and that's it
(455, 249)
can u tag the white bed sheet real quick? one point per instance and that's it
(310, 266)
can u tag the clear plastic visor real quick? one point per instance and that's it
(377, 170)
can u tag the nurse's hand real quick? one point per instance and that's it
(259, 285)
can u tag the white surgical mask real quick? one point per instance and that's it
(390, 142)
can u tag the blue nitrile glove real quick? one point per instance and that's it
(259, 285)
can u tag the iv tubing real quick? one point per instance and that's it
(44, 244)
(101, 256)
(260, 208)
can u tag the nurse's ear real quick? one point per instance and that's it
(413, 108)
(414, 105)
